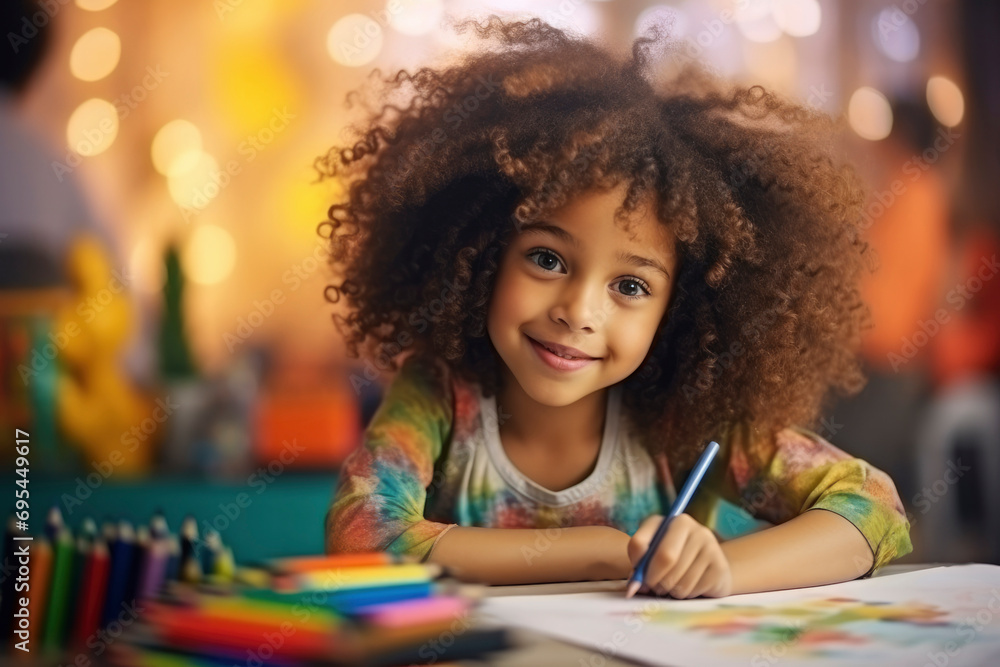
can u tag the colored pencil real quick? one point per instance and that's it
(10, 567)
(109, 533)
(225, 565)
(154, 569)
(680, 504)
(211, 552)
(190, 571)
(173, 559)
(40, 579)
(93, 589)
(122, 551)
(158, 525)
(298, 565)
(359, 577)
(349, 601)
(84, 542)
(140, 554)
(414, 612)
(241, 607)
(59, 590)
(53, 522)
(198, 629)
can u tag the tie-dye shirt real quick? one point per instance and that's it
(432, 459)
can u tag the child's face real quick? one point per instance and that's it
(579, 289)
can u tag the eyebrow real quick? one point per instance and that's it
(636, 260)
(560, 233)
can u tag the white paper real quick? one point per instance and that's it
(938, 617)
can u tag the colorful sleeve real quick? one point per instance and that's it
(379, 501)
(801, 471)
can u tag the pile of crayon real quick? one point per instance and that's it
(371, 609)
(84, 590)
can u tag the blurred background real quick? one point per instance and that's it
(164, 338)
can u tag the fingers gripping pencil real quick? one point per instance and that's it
(680, 504)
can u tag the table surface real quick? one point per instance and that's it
(535, 648)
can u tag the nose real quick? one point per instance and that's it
(579, 306)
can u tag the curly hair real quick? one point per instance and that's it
(766, 316)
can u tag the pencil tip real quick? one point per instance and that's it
(633, 587)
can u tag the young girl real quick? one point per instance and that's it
(582, 277)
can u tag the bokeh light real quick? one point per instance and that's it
(176, 148)
(92, 127)
(209, 255)
(869, 114)
(416, 17)
(798, 18)
(94, 5)
(354, 40)
(95, 54)
(946, 101)
(896, 35)
(199, 185)
(756, 21)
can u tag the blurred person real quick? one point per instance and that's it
(41, 214)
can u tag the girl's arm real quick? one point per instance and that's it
(815, 548)
(800, 472)
(861, 527)
(382, 485)
(532, 556)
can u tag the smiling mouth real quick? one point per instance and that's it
(560, 354)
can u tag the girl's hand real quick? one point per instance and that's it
(688, 563)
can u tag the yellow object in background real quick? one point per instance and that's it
(98, 408)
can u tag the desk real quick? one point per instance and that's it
(535, 648)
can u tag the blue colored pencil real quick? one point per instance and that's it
(122, 548)
(173, 559)
(142, 541)
(680, 504)
(53, 524)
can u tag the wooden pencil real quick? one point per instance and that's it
(59, 590)
(93, 589)
(298, 565)
(122, 552)
(39, 580)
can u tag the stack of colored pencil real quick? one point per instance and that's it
(86, 589)
(357, 609)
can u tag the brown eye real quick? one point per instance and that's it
(631, 288)
(544, 259)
